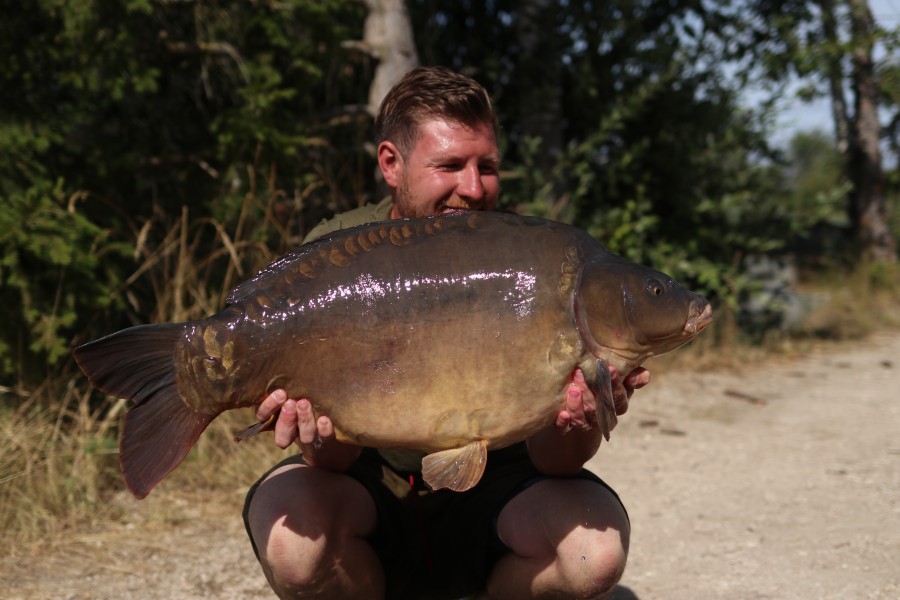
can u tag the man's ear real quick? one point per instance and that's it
(390, 161)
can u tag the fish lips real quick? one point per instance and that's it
(700, 318)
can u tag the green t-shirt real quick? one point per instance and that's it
(358, 216)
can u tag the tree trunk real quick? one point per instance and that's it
(834, 72)
(868, 209)
(388, 36)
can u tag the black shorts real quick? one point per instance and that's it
(440, 544)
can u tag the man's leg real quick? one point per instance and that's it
(569, 538)
(309, 527)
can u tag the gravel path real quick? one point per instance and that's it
(779, 481)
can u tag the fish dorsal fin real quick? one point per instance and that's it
(458, 469)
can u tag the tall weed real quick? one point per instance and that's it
(58, 441)
(57, 459)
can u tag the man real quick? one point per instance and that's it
(346, 522)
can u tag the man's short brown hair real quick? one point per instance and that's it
(429, 93)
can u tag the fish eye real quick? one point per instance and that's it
(655, 287)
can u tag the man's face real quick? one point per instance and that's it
(451, 166)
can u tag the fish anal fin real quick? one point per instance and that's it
(458, 469)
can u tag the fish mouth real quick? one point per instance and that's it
(700, 317)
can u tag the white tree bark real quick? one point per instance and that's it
(388, 37)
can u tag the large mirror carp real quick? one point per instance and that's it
(451, 335)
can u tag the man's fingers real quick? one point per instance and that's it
(306, 423)
(578, 378)
(325, 428)
(286, 425)
(638, 378)
(297, 422)
(581, 414)
(271, 404)
(564, 422)
(575, 406)
(620, 399)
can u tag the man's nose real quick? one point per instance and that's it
(470, 186)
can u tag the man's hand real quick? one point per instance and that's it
(562, 449)
(580, 411)
(314, 437)
(635, 380)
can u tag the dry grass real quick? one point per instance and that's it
(858, 303)
(56, 461)
(58, 442)
(59, 463)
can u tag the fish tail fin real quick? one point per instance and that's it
(156, 438)
(138, 364)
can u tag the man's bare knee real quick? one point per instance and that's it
(293, 562)
(307, 525)
(566, 536)
(592, 561)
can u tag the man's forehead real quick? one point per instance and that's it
(445, 132)
(443, 124)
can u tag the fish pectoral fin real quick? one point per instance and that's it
(606, 403)
(458, 469)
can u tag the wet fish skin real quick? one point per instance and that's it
(449, 334)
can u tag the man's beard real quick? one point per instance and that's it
(406, 206)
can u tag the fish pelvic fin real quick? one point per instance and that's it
(138, 364)
(458, 469)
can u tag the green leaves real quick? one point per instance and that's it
(154, 153)
(119, 118)
(48, 271)
(657, 157)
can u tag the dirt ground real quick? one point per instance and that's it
(779, 480)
